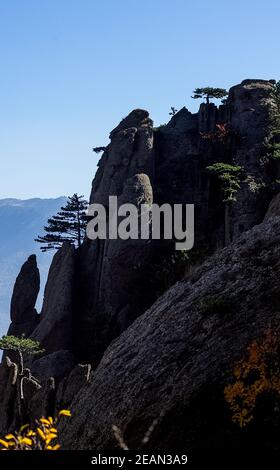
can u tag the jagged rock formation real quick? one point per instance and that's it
(176, 357)
(94, 295)
(174, 158)
(23, 313)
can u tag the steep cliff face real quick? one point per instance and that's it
(95, 294)
(174, 361)
(54, 331)
(174, 159)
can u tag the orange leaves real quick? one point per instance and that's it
(219, 135)
(257, 373)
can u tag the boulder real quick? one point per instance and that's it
(25, 292)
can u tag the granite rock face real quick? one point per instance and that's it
(274, 207)
(174, 158)
(54, 331)
(69, 388)
(25, 292)
(8, 379)
(130, 152)
(57, 365)
(176, 353)
(102, 310)
(23, 313)
(252, 108)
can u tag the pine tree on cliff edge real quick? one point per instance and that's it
(68, 225)
(209, 93)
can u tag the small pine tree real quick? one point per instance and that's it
(173, 111)
(209, 93)
(21, 345)
(229, 177)
(68, 225)
(99, 149)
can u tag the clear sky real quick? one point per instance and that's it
(71, 69)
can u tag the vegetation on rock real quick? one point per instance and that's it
(208, 93)
(229, 177)
(272, 141)
(42, 435)
(220, 134)
(99, 149)
(258, 373)
(173, 111)
(22, 346)
(68, 225)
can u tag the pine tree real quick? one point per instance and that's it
(209, 92)
(68, 225)
(230, 177)
(22, 346)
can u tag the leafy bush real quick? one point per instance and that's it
(256, 374)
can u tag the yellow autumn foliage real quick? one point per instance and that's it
(257, 373)
(42, 436)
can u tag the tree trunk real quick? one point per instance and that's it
(20, 362)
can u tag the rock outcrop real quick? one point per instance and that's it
(174, 361)
(54, 331)
(102, 271)
(174, 158)
(24, 316)
(274, 207)
(8, 380)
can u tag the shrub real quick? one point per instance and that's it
(43, 435)
(256, 374)
(21, 345)
(229, 177)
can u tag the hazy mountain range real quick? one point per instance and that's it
(20, 222)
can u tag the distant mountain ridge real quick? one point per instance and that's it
(20, 222)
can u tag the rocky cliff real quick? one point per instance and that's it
(166, 358)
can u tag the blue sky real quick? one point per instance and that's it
(71, 69)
